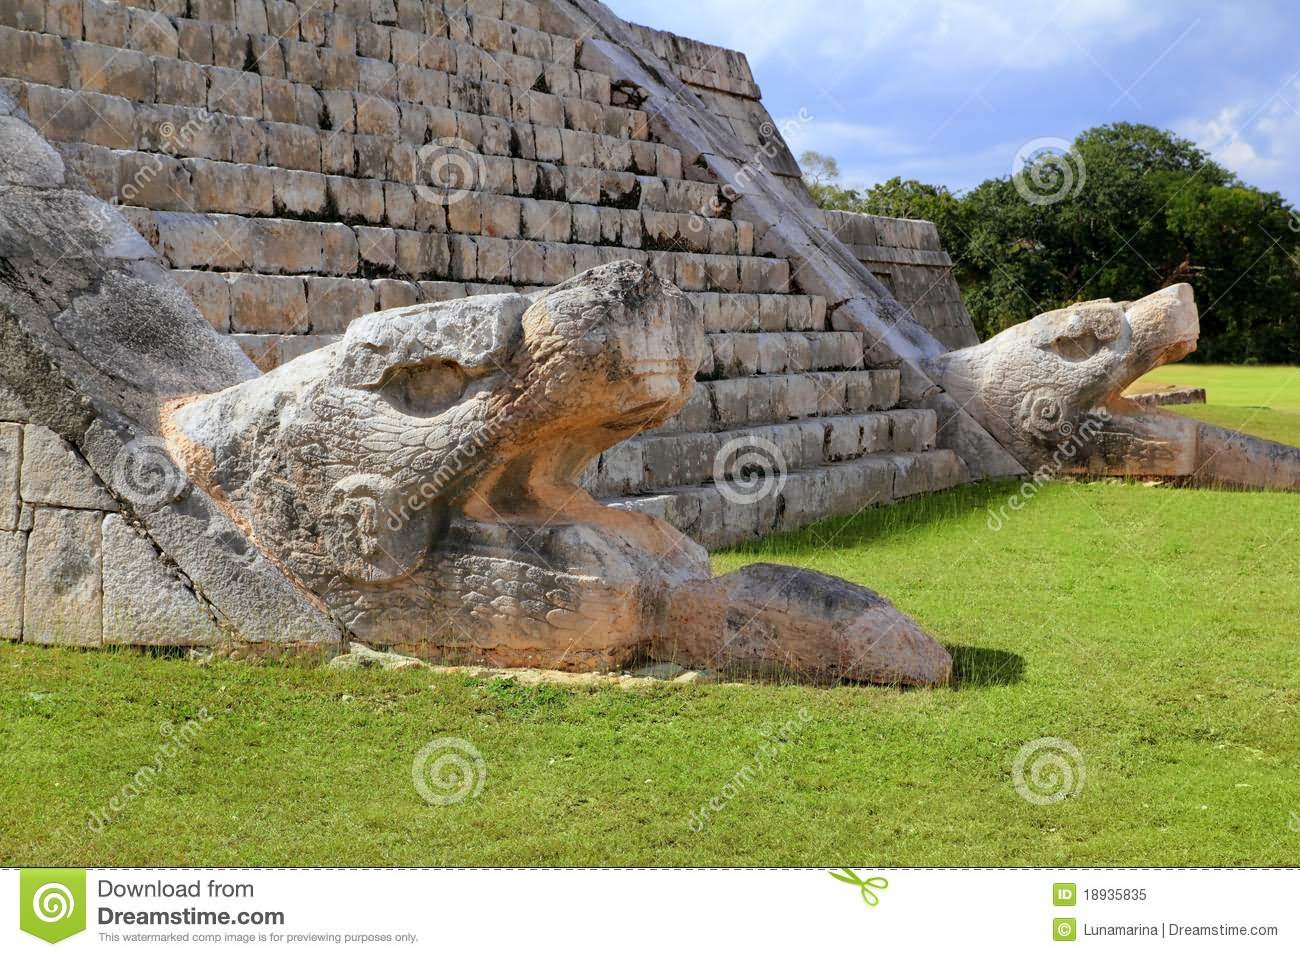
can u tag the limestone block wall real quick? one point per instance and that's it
(906, 255)
(298, 163)
(72, 569)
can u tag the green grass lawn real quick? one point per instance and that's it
(1261, 400)
(1153, 628)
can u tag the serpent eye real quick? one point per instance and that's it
(423, 390)
(1085, 332)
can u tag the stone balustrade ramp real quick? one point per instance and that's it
(95, 339)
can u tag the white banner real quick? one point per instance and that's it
(651, 911)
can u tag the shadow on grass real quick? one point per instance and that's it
(982, 667)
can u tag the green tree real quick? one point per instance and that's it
(1127, 210)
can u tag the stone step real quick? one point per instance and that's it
(723, 404)
(747, 312)
(737, 354)
(257, 302)
(649, 462)
(414, 250)
(639, 210)
(718, 520)
(283, 41)
(386, 147)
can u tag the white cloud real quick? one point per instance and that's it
(1258, 140)
(880, 152)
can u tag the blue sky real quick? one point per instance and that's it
(948, 92)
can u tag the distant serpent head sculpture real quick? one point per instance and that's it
(1051, 391)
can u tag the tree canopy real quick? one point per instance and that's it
(1126, 210)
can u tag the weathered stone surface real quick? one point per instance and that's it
(11, 450)
(95, 341)
(801, 624)
(1051, 391)
(13, 573)
(359, 657)
(419, 476)
(144, 601)
(63, 594)
(54, 474)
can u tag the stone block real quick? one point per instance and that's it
(339, 247)
(297, 192)
(293, 147)
(421, 253)
(231, 188)
(63, 584)
(262, 351)
(527, 266)
(105, 22)
(333, 303)
(501, 216)
(287, 246)
(206, 241)
(11, 444)
(234, 92)
(80, 117)
(180, 83)
(210, 293)
(493, 259)
(145, 602)
(355, 200)
(103, 69)
(395, 293)
(13, 572)
(194, 37)
(54, 473)
(37, 57)
(151, 32)
(557, 263)
(268, 304)
(377, 247)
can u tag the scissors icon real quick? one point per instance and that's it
(865, 886)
